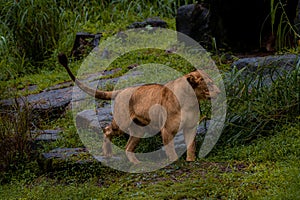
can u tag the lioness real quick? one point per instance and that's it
(156, 108)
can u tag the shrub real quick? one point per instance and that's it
(15, 148)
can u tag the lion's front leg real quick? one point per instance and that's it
(189, 137)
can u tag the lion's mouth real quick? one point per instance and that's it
(212, 95)
(208, 97)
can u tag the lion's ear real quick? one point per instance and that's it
(192, 81)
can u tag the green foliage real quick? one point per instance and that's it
(255, 108)
(283, 30)
(205, 179)
(32, 33)
(35, 26)
(12, 62)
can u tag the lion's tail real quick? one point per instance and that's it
(63, 60)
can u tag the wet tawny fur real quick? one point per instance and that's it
(156, 108)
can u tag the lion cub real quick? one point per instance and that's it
(167, 109)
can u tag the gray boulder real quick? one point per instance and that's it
(269, 67)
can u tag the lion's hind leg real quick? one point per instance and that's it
(136, 133)
(107, 146)
(168, 142)
(130, 147)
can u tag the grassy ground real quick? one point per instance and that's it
(266, 169)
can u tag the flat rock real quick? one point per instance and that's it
(270, 67)
(47, 135)
(47, 104)
(91, 119)
(64, 158)
(64, 153)
(52, 102)
(286, 62)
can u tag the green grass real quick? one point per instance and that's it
(242, 172)
(42, 80)
(69, 136)
(20, 70)
(283, 29)
(283, 146)
(254, 109)
(32, 33)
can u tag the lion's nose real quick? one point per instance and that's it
(214, 92)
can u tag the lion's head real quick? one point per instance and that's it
(203, 85)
